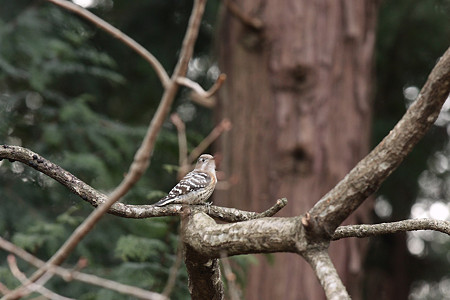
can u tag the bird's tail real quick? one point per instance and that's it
(164, 201)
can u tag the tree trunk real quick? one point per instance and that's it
(298, 96)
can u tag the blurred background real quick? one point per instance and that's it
(83, 100)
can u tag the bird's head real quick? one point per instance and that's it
(206, 162)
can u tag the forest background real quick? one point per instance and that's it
(81, 99)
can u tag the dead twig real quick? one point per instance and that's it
(70, 275)
(224, 125)
(32, 287)
(182, 141)
(173, 272)
(250, 21)
(162, 74)
(233, 290)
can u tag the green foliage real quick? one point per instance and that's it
(40, 234)
(133, 248)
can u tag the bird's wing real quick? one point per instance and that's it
(193, 181)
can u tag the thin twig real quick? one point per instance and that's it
(273, 210)
(216, 86)
(3, 289)
(201, 97)
(191, 84)
(83, 277)
(173, 272)
(224, 125)
(250, 21)
(362, 231)
(233, 290)
(185, 161)
(31, 287)
(162, 74)
(198, 88)
(182, 142)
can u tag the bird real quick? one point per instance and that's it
(196, 187)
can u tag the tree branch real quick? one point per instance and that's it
(204, 276)
(233, 291)
(223, 126)
(162, 74)
(83, 277)
(326, 273)
(173, 272)
(182, 141)
(247, 20)
(364, 230)
(367, 176)
(197, 88)
(265, 235)
(95, 198)
(31, 287)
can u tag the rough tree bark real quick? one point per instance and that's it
(298, 96)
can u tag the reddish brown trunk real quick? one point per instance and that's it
(298, 95)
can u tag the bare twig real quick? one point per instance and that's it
(182, 142)
(223, 126)
(250, 21)
(367, 176)
(364, 230)
(86, 278)
(185, 161)
(201, 96)
(216, 86)
(119, 35)
(274, 209)
(3, 289)
(32, 287)
(200, 100)
(173, 272)
(233, 290)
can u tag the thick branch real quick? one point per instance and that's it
(204, 276)
(362, 231)
(326, 273)
(367, 176)
(265, 235)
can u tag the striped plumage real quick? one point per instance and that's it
(196, 187)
